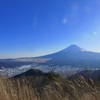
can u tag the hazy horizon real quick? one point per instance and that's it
(50, 52)
(30, 28)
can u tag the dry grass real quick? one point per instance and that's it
(53, 90)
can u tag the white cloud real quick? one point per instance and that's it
(64, 21)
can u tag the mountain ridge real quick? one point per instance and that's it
(73, 56)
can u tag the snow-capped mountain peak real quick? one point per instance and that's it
(74, 48)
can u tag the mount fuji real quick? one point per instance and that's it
(74, 56)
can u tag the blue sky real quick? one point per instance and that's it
(39, 27)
